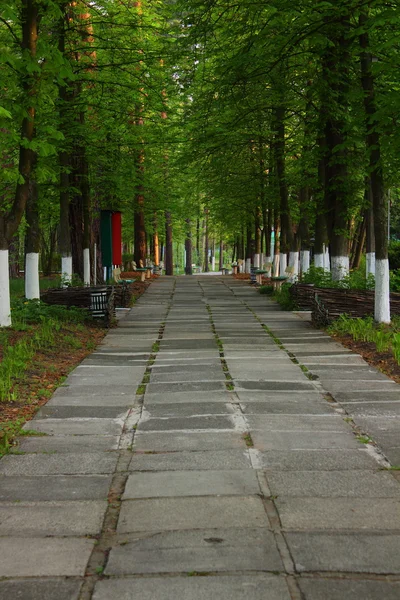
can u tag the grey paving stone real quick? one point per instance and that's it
(175, 441)
(44, 557)
(188, 386)
(339, 589)
(52, 518)
(318, 423)
(347, 552)
(58, 464)
(188, 461)
(288, 407)
(89, 390)
(368, 396)
(317, 460)
(191, 513)
(192, 483)
(40, 589)
(186, 397)
(78, 426)
(373, 409)
(99, 400)
(358, 385)
(274, 385)
(34, 489)
(58, 444)
(310, 440)
(234, 587)
(188, 376)
(185, 423)
(331, 484)
(204, 550)
(339, 513)
(180, 409)
(78, 412)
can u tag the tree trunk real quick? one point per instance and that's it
(32, 242)
(9, 221)
(379, 202)
(169, 258)
(370, 233)
(188, 248)
(206, 241)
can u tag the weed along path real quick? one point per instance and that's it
(212, 446)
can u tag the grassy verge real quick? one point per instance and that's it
(378, 344)
(36, 354)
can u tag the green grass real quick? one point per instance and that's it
(385, 337)
(17, 286)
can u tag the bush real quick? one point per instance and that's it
(394, 255)
(355, 280)
(267, 290)
(284, 298)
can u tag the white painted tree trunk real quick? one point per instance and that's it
(32, 288)
(370, 266)
(248, 265)
(304, 261)
(212, 263)
(327, 262)
(340, 267)
(294, 262)
(282, 263)
(5, 307)
(262, 260)
(86, 266)
(257, 261)
(269, 264)
(66, 269)
(382, 291)
(240, 267)
(319, 261)
(275, 271)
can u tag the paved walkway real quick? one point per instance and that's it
(234, 477)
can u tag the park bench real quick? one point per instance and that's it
(99, 301)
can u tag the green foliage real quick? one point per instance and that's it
(395, 281)
(266, 290)
(394, 255)
(284, 298)
(365, 329)
(355, 280)
(26, 312)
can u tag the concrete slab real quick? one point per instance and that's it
(272, 385)
(317, 460)
(339, 513)
(34, 489)
(68, 443)
(58, 464)
(79, 426)
(44, 557)
(349, 589)
(346, 552)
(317, 423)
(99, 400)
(186, 423)
(40, 589)
(186, 397)
(43, 519)
(192, 483)
(289, 407)
(82, 412)
(232, 587)
(169, 514)
(181, 409)
(188, 387)
(189, 461)
(204, 550)
(303, 440)
(175, 441)
(334, 484)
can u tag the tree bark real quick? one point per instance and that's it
(188, 248)
(169, 258)
(379, 201)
